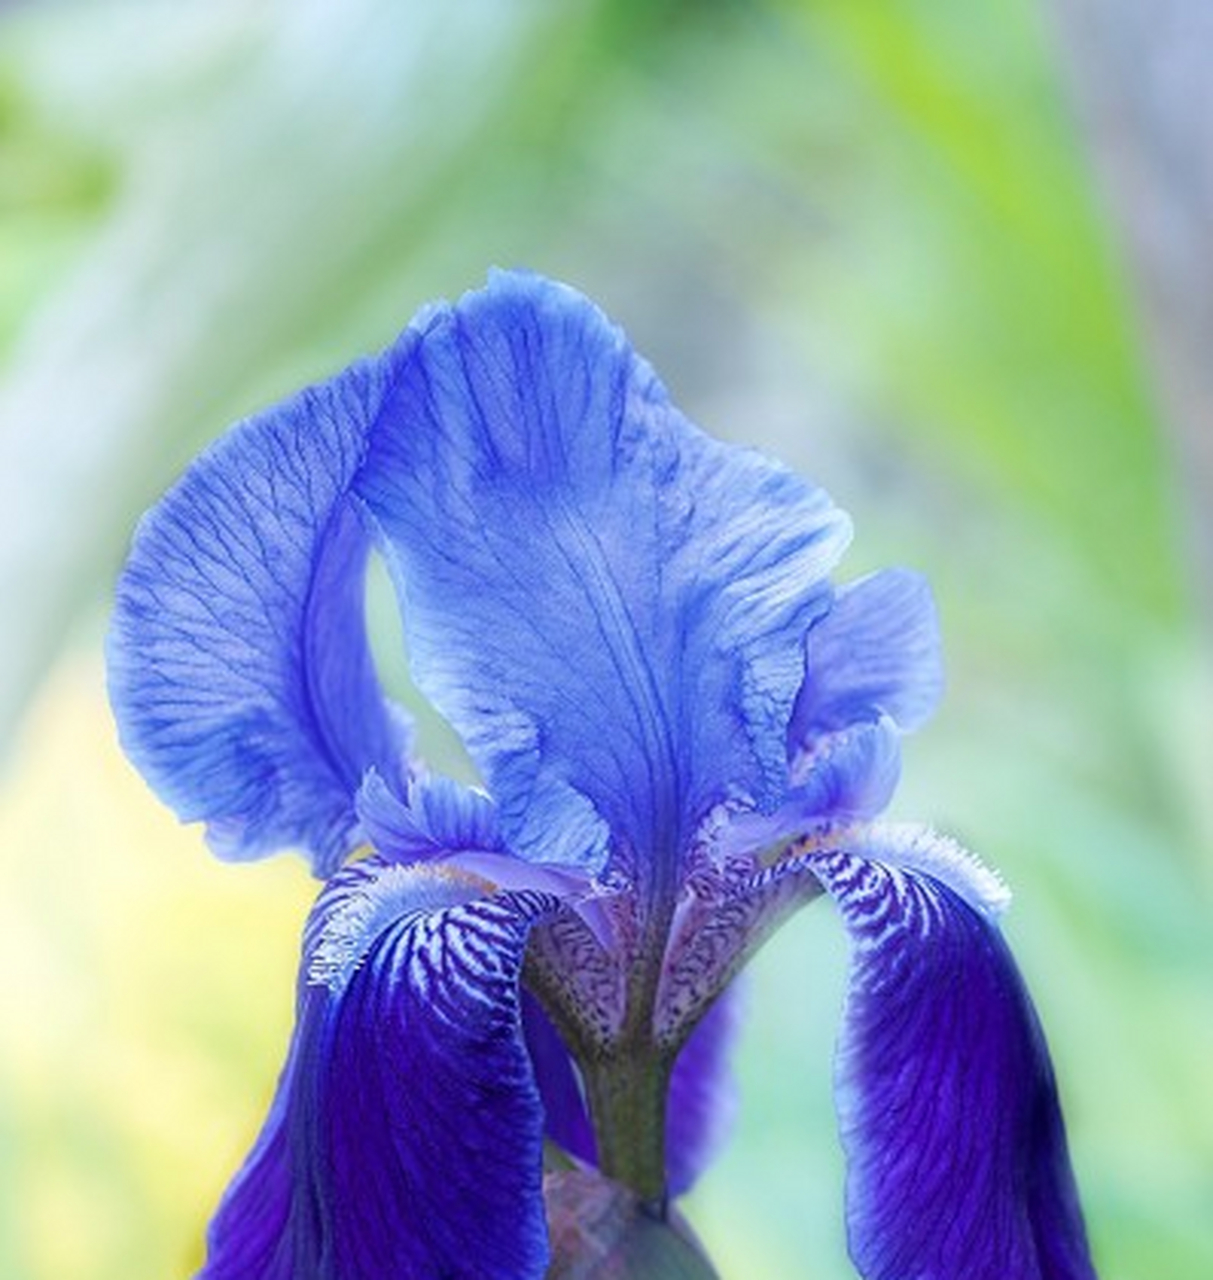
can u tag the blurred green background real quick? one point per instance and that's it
(934, 254)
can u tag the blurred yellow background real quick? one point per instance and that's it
(949, 260)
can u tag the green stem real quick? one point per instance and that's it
(627, 1086)
(627, 1097)
(627, 1078)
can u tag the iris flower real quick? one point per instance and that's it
(684, 731)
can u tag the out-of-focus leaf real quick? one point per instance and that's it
(1142, 79)
(976, 268)
(53, 188)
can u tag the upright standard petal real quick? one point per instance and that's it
(406, 1139)
(957, 1160)
(605, 603)
(239, 668)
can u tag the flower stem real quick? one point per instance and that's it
(627, 1096)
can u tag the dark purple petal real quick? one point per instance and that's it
(238, 664)
(564, 1107)
(606, 604)
(703, 1097)
(957, 1160)
(406, 1139)
(247, 1239)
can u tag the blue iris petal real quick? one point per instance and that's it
(872, 672)
(876, 653)
(566, 1116)
(605, 603)
(406, 1136)
(239, 668)
(850, 775)
(437, 816)
(957, 1160)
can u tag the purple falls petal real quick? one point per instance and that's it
(957, 1161)
(606, 604)
(238, 663)
(406, 1139)
(567, 1119)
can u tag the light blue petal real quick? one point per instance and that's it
(238, 664)
(406, 1138)
(876, 653)
(956, 1150)
(849, 775)
(438, 815)
(606, 604)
